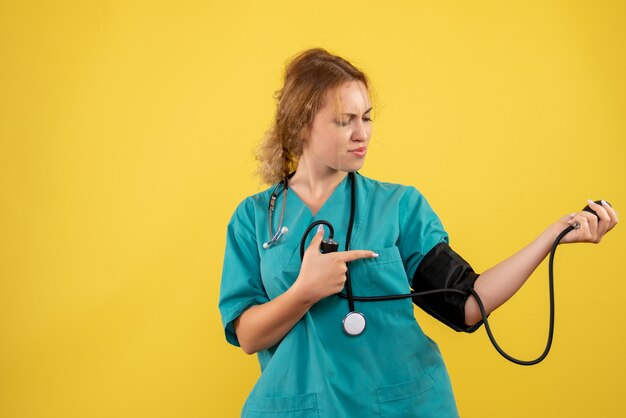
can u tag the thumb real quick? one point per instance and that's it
(317, 239)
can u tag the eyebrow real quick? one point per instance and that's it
(354, 114)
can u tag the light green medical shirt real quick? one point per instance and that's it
(391, 370)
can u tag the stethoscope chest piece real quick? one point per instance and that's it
(354, 323)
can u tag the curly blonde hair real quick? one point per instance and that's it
(308, 77)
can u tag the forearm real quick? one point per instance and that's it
(496, 285)
(262, 326)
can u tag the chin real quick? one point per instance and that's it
(356, 167)
(351, 167)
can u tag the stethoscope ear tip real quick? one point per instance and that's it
(266, 245)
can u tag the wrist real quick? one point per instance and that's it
(554, 230)
(301, 295)
(548, 236)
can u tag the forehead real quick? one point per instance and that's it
(349, 97)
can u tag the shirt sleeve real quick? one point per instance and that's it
(241, 286)
(420, 229)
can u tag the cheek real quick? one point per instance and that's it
(334, 138)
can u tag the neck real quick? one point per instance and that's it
(315, 180)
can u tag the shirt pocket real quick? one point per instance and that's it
(384, 276)
(296, 406)
(406, 399)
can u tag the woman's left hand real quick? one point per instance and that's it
(589, 227)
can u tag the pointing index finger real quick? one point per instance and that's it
(352, 255)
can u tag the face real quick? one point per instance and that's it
(341, 130)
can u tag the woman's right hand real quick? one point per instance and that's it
(262, 326)
(322, 275)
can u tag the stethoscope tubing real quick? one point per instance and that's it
(352, 298)
(551, 324)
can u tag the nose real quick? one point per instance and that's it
(360, 131)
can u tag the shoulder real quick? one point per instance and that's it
(406, 201)
(248, 210)
(403, 194)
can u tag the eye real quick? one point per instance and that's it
(342, 122)
(367, 119)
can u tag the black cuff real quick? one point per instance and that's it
(442, 268)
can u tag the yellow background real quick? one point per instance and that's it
(126, 133)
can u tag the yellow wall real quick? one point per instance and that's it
(126, 131)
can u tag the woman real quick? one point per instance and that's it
(285, 308)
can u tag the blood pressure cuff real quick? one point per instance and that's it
(442, 268)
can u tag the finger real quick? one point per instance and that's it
(592, 219)
(612, 214)
(351, 255)
(573, 222)
(590, 230)
(600, 210)
(581, 222)
(317, 239)
(603, 218)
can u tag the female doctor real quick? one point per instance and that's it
(320, 354)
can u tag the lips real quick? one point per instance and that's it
(359, 152)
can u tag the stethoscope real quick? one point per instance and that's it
(354, 322)
(281, 229)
